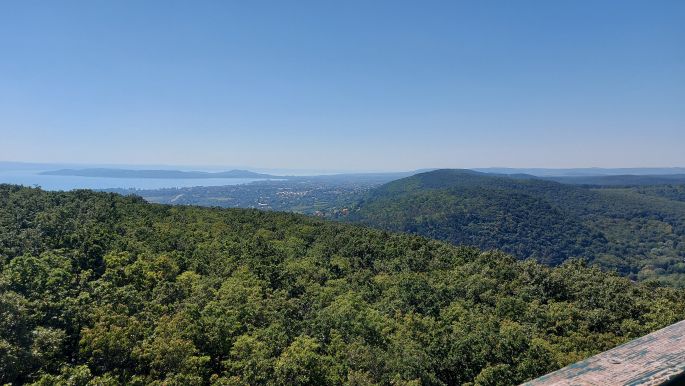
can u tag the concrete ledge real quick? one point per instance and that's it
(654, 359)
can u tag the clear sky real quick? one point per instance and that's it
(354, 85)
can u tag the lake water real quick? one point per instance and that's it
(33, 178)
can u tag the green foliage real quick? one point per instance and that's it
(471, 208)
(670, 192)
(302, 364)
(100, 289)
(639, 232)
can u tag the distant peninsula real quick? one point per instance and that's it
(172, 174)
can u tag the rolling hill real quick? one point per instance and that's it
(640, 235)
(622, 180)
(98, 288)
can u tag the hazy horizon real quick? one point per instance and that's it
(355, 192)
(29, 165)
(353, 86)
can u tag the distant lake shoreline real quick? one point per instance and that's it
(58, 182)
(155, 173)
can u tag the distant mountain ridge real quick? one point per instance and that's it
(130, 173)
(584, 172)
(102, 289)
(621, 180)
(639, 232)
(490, 211)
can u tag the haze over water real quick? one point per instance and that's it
(48, 182)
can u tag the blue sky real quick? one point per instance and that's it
(346, 85)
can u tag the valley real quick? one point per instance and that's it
(638, 231)
(99, 288)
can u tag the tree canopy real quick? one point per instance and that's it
(639, 232)
(97, 288)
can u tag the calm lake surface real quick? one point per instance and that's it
(33, 178)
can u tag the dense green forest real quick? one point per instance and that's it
(639, 231)
(102, 289)
(670, 192)
(622, 180)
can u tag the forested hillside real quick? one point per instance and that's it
(671, 192)
(638, 231)
(622, 180)
(101, 289)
